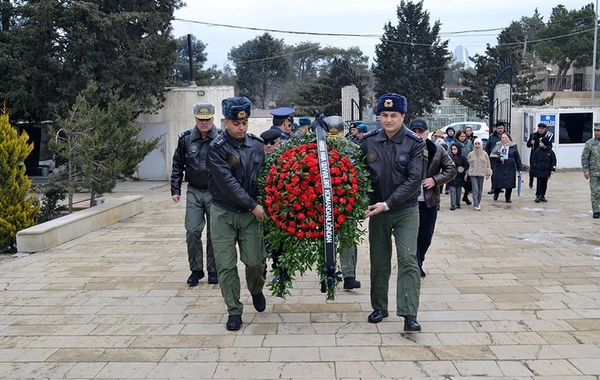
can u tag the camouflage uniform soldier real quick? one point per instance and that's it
(590, 162)
(235, 159)
(190, 158)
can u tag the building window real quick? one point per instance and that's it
(575, 128)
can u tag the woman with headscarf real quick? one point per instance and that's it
(480, 168)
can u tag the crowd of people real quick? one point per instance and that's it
(408, 171)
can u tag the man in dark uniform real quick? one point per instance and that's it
(440, 170)
(282, 122)
(534, 144)
(492, 141)
(235, 160)
(395, 157)
(190, 158)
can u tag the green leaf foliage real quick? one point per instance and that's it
(51, 49)
(17, 206)
(412, 59)
(568, 39)
(261, 67)
(100, 142)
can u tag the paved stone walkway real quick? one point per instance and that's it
(511, 293)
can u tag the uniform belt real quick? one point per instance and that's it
(203, 189)
(231, 207)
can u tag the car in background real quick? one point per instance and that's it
(480, 129)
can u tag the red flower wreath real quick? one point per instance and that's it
(294, 191)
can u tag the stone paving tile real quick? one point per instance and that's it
(520, 304)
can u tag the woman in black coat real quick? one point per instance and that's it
(462, 166)
(543, 163)
(505, 167)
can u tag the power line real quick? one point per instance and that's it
(446, 35)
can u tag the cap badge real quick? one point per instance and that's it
(241, 114)
(388, 103)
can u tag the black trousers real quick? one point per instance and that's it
(507, 193)
(542, 186)
(427, 218)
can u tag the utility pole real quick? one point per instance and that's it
(595, 48)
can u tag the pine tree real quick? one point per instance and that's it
(17, 207)
(412, 59)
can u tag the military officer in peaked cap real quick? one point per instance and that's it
(282, 121)
(396, 159)
(235, 160)
(189, 160)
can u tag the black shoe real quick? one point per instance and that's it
(531, 185)
(213, 278)
(234, 322)
(508, 201)
(452, 208)
(195, 277)
(458, 205)
(495, 196)
(538, 199)
(543, 199)
(465, 199)
(596, 215)
(377, 316)
(491, 191)
(351, 283)
(259, 302)
(423, 275)
(411, 324)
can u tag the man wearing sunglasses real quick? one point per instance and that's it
(272, 140)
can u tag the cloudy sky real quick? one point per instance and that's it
(463, 22)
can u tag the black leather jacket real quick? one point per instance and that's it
(397, 166)
(234, 167)
(190, 158)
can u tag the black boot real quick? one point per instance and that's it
(543, 199)
(351, 283)
(411, 324)
(538, 199)
(465, 199)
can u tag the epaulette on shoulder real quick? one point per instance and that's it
(218, 141)
(184, 133)
(414, 136)
(372, 132)
(255, 137)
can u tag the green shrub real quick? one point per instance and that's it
(17, 207)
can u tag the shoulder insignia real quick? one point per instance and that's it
(255, 137)
(372, 132)
(184, 133)
(414, 136)
(218, 141)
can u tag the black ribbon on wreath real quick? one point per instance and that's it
(330, 277)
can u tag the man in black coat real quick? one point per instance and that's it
(492, 141)
(534, 144)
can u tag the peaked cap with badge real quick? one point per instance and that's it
(204, 111)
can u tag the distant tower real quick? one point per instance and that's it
(462, 55)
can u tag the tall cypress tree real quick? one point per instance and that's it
(17, 207)
(411, 59)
